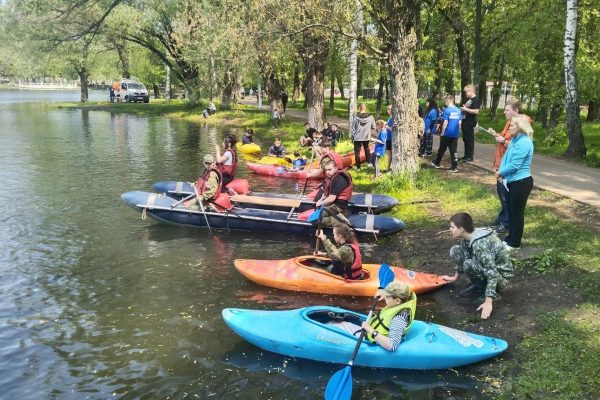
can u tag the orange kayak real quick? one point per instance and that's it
(304, 274)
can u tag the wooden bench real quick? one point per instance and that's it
(266, 201)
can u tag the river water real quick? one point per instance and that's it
(96, 303)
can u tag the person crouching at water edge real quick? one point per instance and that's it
(346, 259)
(209, 184)
(387, 327)
(483, 258)
(337, 191)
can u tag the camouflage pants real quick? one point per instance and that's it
(473, 269)
(334, 215)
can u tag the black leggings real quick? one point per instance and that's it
(518, 193)
(365, 145)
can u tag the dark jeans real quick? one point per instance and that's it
(518, 193)
(503, 218)
(469, 140)
(365, 145)
(426, 144)
(448, 143)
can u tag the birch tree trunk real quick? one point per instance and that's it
(352, 95)
(576, 147)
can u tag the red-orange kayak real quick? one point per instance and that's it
(304, 274)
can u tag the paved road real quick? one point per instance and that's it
(571, 180)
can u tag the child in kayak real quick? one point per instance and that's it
(483, 258)
(277, 150)
(346, 258)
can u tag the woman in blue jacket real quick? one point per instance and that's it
(515, 174)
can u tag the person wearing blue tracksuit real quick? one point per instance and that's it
(431, 116)
(452, 117)
(515, 173)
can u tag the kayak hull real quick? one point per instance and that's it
(162, 208)
(249, 148)
(302, 274)
(360, 202)
(304, 333)
(279, 171)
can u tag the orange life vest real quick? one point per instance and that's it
(355, 271)
(346, 193)
(229, 170)
(201, 182)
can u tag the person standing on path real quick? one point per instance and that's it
(449, 136)
(502, 140)
(470, 110)
(515, 173)
(362, 125)
(390, 133)
(430, 120)
(284, 100)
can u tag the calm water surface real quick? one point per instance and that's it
(96, 303)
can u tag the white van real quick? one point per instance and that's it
(131, 91)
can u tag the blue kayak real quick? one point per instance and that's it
(359, 202)
(304, 333)
(160, 208)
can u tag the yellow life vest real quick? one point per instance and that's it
(382, 320)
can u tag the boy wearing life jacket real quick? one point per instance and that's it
(337, 191)
(346, 259)
(483, 258)
(387, 326)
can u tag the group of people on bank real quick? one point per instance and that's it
(481, 255)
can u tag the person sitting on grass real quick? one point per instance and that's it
(483, 258)
(307, 139)
(277, 150)
(346, 258)
(210, 109)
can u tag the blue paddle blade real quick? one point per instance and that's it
(339, 386)
(386, 275)
(315, 215)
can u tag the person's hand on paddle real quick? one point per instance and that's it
(492, 132)
(486, 307)
(321, 235)
(450, 279)
(368, 328)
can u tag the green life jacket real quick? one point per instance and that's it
(381, 321)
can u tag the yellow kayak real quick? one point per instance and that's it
(270, 160)
(249, 148)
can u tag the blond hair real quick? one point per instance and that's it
(379, 123)
(469, 88)
(522, 122)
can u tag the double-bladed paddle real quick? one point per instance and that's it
(339, 386)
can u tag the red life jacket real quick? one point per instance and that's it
(229, 169)
(347, 192)
(335, 157)
(355, 271)
(201, 182)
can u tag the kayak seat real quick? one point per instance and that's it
(328, 316)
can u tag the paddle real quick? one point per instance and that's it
(339, 386)
(202, 208)
(183, 200)
(312, 156)
(317, 215)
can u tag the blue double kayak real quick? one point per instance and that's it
(359, 202)
(162, 208)
(305, 333)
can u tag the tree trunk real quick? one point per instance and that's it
(555, 112)
(465, 65)
(296, 90)
(83, 74)
(438, 89)
(593, 110)
(353, 96)
(168, 82)
(332, 91)
(477, 46)
(273, 89)
(340, 83)
(230, 87)
(380, 91)
(212, 71)
(401, 58)
(497, 90)
(359, 75)
(123, 58)
(450, 76)
(155, 90)
(315, 87)
(576, 147)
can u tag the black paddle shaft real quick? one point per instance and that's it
(363, 332)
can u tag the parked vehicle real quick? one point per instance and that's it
(130, 91)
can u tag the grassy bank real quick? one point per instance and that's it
(553, 325)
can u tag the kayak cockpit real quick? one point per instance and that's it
(327, 316)
(321, 264)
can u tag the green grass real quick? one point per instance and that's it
(551, 141)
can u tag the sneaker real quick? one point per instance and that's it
(470, 290)
(508, 247)
(428, 155)
(454, 170)
(436, 166)
(501, 229)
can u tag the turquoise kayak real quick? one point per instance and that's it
(305, 333)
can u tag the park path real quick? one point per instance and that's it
(568, 179)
